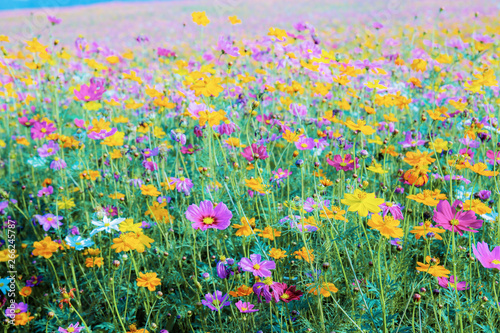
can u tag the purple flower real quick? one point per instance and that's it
(225, 45)
(484, 195)
(206, 216)
(46, 191)
(298, 110)
(48, 221)
(58, 164)
(54, 20)
(310, 204)
(451, 283)
(216, 301)
(345, 164)
(34, 281)
(455, 219)
(149, 164)
(269, 290)
(489, 259)
(410, 141)
(72, 328)
(280, 174)
(255, 152)
(394, 208)
(48, 149)
(183, 185)
(136, 182)
(223, 271)
(256, 266)
(18, 308)
(245, 307)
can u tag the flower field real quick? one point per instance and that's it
(193, 167)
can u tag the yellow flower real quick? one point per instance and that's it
(45, 248)
(256, 185)
(66, 203)
(377, 168)
(129, 226)
(245, 228)
(200, 18)
(150, 190)
(234, 19)
(148, 280)
(360, 126)
(269, 233)
(362, 202)
(439, 145)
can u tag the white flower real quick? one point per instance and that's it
(107, 225)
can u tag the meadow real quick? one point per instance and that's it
(196, 167)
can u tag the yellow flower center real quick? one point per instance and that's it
(49, 150)
(388, 204)
(87, 97)
(256, 266)
(70, 329)
(496, 262)
(343, 164)
(454, 222)
(106, 224)
(304, 145)
(43, 130)
(268, 281)
(49, 219)
(451, 285)
(216, 303)
(208, 220)
(182, 179)
(244, 309)
(285, 296)
(361, 195)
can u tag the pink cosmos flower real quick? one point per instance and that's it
(394, 208)
(494, 157)
(245, 307)
(48, 221)
(455, 219)
(256, 266)
(91, 92)
(48, 149)
(72, 328)
(182, 184)
(489, 259)
(451, 284)
(346, 163)
(305, 143)
(41, 129)
(206, 216)
(255, 152)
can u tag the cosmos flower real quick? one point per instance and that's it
(216, 301)
(362, 202)
(487, 258)
(455, 219)
(345, 163)
(451, 283)
(206, 216)
(107, 225)
(48, 221)
(255, 152)
(78, 242)
(257, 266)
(183, 184)
(245, 307)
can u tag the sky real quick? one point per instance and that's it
(23, 4)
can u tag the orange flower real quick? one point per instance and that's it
(428, 198)
(25, 292)
(391, 150)
(423, 230)
(242, 291)
(388, 226)
(477, 206)
(333, 213)
(325, 289)
(417, 176)
(148, 280)
(304, 254)
(45, 248)
(245, 228)
(419, 158)
(269, 233)
(22, 318)
(432, 267)
(91, 262)
(150, 190)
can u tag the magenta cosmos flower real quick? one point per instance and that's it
(206, 216)
(245, 307)
(489, 259)
(91, 92)
(256, 266)
(451, 283)
(41, 129)
(255, 152)
(454, 219)
(346, 163)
